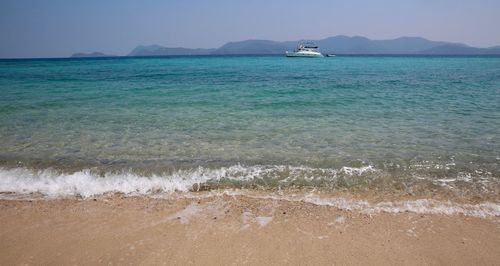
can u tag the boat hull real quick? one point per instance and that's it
(304, 55)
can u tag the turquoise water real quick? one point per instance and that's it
(266, 120)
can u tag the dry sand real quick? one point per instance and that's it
(235, 230)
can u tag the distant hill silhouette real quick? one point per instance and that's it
(254, 47)
(458, 49)
(333, 45)
(362, 45)
(94, 54)
(356, 45)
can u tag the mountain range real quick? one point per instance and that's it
(335, 45)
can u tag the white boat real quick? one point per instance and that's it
(305, 50)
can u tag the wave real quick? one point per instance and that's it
(86, 183)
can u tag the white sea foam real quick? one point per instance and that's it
(357, 170)
(423, 206)
(85, 183)
(420, 206)
(50, 183)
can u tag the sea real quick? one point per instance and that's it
(416, 130)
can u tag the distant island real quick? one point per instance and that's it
(337, 45)
(94, 54)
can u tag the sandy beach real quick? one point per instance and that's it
(235, 230)
(192, 133)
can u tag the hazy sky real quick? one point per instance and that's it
(54, 28)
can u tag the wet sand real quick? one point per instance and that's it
(235, 230)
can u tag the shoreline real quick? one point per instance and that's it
(364, 182)
(363, 201)
(235, 229)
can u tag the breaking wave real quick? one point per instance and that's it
(87, 183)
(19, 182)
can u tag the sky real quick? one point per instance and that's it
(59, 28)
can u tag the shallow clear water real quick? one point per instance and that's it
(268, 120)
